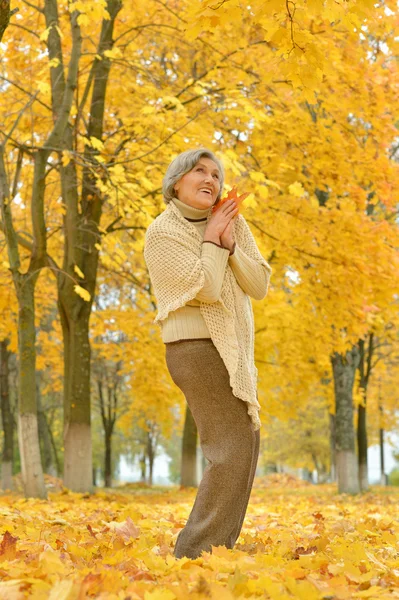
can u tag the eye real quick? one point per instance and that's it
(200, 168)
(216, 175)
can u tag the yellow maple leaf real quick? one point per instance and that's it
(78, 271)
(83, 20)
(66, 158)
(296, 189)
(159, 594)
(114, 53)
(96, 143)
(82, 292)
(44, 87)
(44, 35)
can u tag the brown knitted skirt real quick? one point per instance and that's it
(228, 441)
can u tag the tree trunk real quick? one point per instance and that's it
(108, 400)
(78, 468)
(108, 459)
(7, 420)
(365, 367)
(333, 458)
(189, 451)
(81, 236)
(362, 447)
(383, 478)
(5, 15)
(32, 473)
(344, 369)
(143, 468)
(151, 457)
(44, 436)
(55, 451)
(150, 472)
(28, 436)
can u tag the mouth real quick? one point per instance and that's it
(206, 191)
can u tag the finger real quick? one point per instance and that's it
(232, 210)
(229, 205)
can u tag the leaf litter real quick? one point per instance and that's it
(303, 542)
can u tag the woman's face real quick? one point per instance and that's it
(200, 186)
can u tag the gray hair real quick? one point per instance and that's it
(182, 164)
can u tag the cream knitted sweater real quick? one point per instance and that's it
(203, 292)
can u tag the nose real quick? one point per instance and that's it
(208, 178)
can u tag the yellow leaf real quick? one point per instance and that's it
(127, 529)
(51, 562)
(66, 158)
(148, 110)
(250, 201)
(82, 293)
(96, 143)
(83, 20)
(373, 592)
(45, 34)
(296, 189)
(159, 594)
(78, 271)
(44, 87)
(54, 62)
(12, 590)
(273, 184)
(114, 53)
(63, 590)
(257, 176)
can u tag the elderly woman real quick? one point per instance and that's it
(204, 267)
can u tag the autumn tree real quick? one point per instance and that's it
(259, 88)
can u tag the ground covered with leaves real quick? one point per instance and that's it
(298, 541)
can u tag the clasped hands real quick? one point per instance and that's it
(226, 238)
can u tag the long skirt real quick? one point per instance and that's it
(228, 441)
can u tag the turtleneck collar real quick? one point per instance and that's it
(191, 213)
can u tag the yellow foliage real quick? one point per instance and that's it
(78, 271)
(293, 544)
(82, 292)
(314, 108)
(296, 189)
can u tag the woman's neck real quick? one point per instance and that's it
(190, 212)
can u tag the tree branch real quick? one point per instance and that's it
(25, 29)
(5, 16)
(5, 208)
(122, 162)
(40, 10)
(25, 92)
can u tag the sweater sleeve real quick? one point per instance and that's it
(252, 277)
(214, 260)
(177, 274)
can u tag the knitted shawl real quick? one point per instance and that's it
(172, 252)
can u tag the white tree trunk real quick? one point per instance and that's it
(6, 476)
(347, 472)
(344, 370)
(29, 450)
(78, 468)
